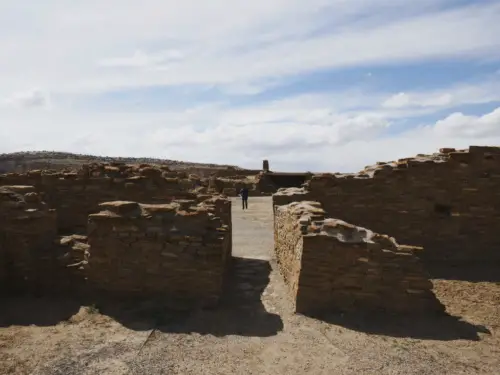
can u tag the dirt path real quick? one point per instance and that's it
(255, 332)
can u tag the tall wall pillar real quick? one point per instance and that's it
(265, 165)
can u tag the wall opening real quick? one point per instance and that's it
(286, 180)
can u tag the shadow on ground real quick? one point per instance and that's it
(240, 312)
(441, 327)
(38, 311)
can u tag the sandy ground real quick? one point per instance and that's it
(254, 331)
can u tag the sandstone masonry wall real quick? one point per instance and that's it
(27, 232)
(286, 196)
(75, 195)
(448, 202)
(33, 259)
(330, 264)
(179, 251)
(221, 207)
(71, 258)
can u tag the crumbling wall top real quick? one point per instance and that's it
(312, 222)
(445, 156)
(290, 191)
(179, 207)
(21, 198)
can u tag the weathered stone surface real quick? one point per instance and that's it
(72, 255)
(78, 193)
(288, 195)
(178, 250)
(448, 203)
(27, 231)
(330, 264)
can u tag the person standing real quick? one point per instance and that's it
(244, 197)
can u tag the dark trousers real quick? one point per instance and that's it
(244, 202)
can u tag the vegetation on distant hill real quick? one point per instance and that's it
(69, 159)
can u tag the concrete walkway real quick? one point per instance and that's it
(253, 228)
(252, 253)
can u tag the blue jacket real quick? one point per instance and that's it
(244, 193)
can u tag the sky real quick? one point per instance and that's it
(317, 85)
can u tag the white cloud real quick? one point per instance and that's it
(293, 136)
(397, 101)
(459, 125)
(480, 92)
(403, 100)
(141, 59)
(34, 98)
(263, 38)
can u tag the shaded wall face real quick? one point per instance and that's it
(271, 182)
(179, 251)
(27, 233)
(450, 207)
(359, 276)
(286, 181)
(28, 261)
(159, 250)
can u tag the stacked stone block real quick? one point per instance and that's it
(448, 202)
(329, 264)
(27, 232)
(75, 195)
(71, 260)
(221, 207)
(177, 251)
(286, 196)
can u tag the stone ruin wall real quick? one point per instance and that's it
(27, 231)
(179, 250)
(330, 264)
(35, 259)
(448, 203)
(290, 195)
(76, 194)
(236, 173)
